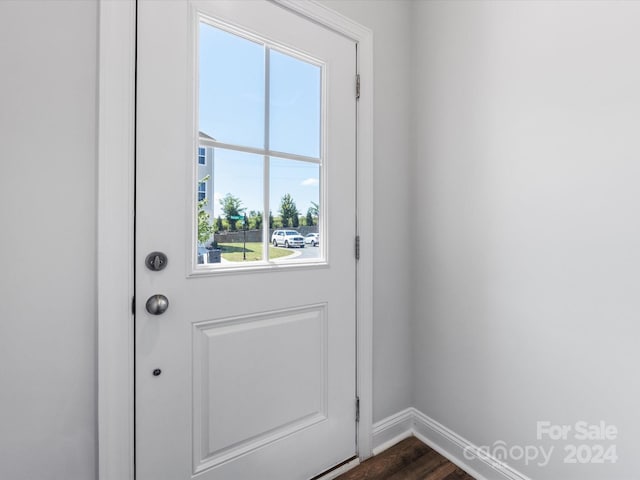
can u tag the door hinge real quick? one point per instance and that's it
(358, 86)
(133, 305)
(357, 247)
(357, 409)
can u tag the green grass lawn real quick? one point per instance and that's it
(232, 252)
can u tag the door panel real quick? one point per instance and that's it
(250, 353)
(250, 373)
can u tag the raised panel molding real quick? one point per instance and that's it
(250, 348)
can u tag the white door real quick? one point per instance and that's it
(243, 108)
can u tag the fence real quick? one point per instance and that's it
(256, 235)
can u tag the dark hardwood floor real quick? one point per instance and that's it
(408, 460)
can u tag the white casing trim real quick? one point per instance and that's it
(412, 422)
(116, 146)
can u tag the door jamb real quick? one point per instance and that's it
(116, 175)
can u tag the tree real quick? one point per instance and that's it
(205, 227)
(314, 209)
(288, 209)
(270, 220)
(255, 220)
(219, 225)
(232, 207)
(296, 221)
(313, 212)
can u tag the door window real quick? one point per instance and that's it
(260, 115)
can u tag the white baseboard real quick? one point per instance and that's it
(412, 422)
(393, 429)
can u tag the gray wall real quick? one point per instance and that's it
(389, 20)
(526, 180)
(47, 240)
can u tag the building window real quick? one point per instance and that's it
(202, 191)
(202, 156)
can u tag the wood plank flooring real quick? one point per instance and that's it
(408, 460)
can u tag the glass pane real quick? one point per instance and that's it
(230, 220)
(231, 93)
(202, 191)
(294, 106)
(295, 202)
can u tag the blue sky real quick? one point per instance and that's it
(232, 106)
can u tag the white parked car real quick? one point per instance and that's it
(312, 239)
(287, 238)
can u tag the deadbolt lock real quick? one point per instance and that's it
(156, 261)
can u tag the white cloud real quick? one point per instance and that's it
(310, 182)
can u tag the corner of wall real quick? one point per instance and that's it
(474, 460)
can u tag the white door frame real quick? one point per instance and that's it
(116, 175)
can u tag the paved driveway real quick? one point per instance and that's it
(306, 252)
